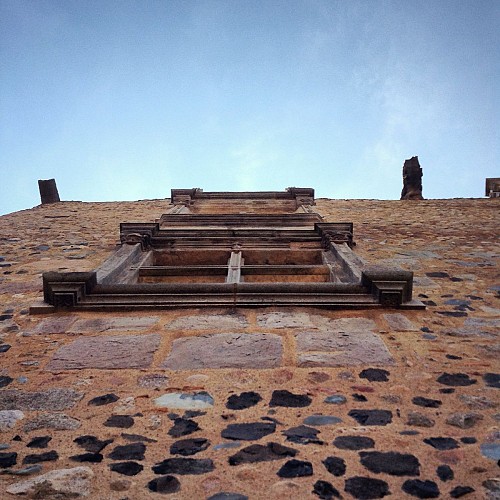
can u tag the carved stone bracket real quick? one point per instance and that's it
(303, 196)
(131, 234)
(184, 196)
(134, 238)
(335, 233)
(67, 289)
(390, 287)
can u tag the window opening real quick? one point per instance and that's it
(233, 249)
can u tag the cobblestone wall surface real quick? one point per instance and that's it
(255, 403)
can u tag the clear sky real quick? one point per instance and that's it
(124, 100)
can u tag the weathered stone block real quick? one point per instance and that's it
(284, 320)
(9, 418)
(117, 351)
(226, 350)
(208, 322)
(62, 483)
(56, 421)
(121, 323)
(50, 325)
(327, 348)
(400, 322)
(351, 325)
(53, 399)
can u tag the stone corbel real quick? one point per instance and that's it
(335, 233)
(64, 290)
(303, 196)
(132, 234)
(391, 287)
(305, 200)
(184, 196)
(134, 238)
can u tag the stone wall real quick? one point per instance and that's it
(264, 403)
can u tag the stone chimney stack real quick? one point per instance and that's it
(48, 191)
(412, 180)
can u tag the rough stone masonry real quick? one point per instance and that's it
(316, 403)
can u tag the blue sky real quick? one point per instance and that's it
(124, 100)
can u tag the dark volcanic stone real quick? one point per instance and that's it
(366, 488)
(8, 459)
(286, 398)
(454, 314)
(461, 491)
(183, 427)
(243, 400)
(375, 375)
(421, 489)
(120, 421)
(456, 379)
(468, 440)
(126, 468)
(261, 453)
(137, 437)
(371, 417)
(396, 464)
(296, 468)
(4, 347)
(39, 442)
(49, 456)
(106, 399)
(5, 380)
(134, 451)
(445, 473)
(426, 402)
(447, 390)
(428, 336)
(186, 447)
(302, 435)
(359, 397)
(325, 490)
(248, 432)
(91, 443)
(165, 484)
(88, 457)
(442, 443)
(227, 496)
(196, 413)
(353, 442)
(322, 420)
(474, 297)
(335, 466)
(437, 274)
(184, 466)
(492, 380)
